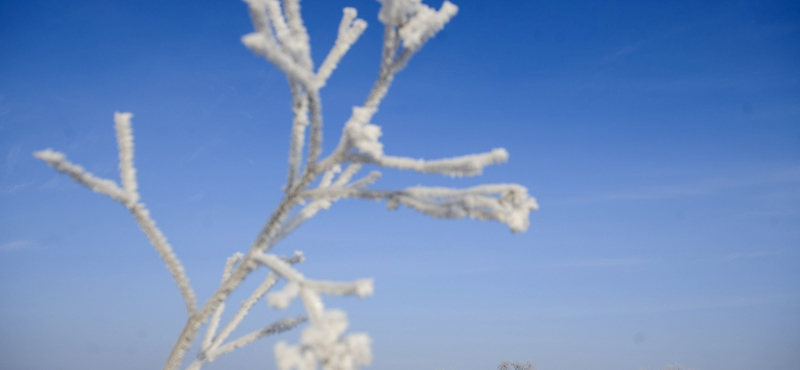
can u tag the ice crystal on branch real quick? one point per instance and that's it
(280, 36)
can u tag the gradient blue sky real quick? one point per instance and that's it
(662, 140)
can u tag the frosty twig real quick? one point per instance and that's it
(281, 37)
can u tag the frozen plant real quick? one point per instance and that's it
(515, 365)
(676, 366)
(314, 183)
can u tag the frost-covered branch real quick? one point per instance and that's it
(408, 21)
(413, 23)
(515, 365)
(467, 165)
(128, 196)
(159, 241)
(214, 323)
(282, 32)
(299, 32)
(264, 44)
(350, 29)
(416, 24)
(507, 203)
(299, 125)
(289, 49)
(60, 163)
(122, 123)
(311, 209)
(281, 37)
(360, 287)
(297, 283)
(280, 326)
(212, 345)
(322, 342)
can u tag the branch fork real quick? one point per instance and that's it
(281, 37)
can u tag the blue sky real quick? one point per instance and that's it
(661, 139)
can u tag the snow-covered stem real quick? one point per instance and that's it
(467, 165)
(315, 139)
(390, 65)
(299, 218)
(214, 323)
(311, 209)
(299, 33)
(298, 283)
(386, 73)
(128, 197)
(264, 44)
(262, 289)
(164, 249)
(365, 181)
(424, 23)
(122, 124)
(60, 163)
(280, 267)
(515, 365)
(507, 203)
(299, 125)
(376, 94)
(312, 302)
(292, 47)
(347, 174)
(127, 173)
(273, 9)
(258, 293)
(360, 288)
(277, 327)
(350, 29)
(288, 52)
(280, 36)
(192, 327)
(327, 176)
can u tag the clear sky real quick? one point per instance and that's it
(661, 139)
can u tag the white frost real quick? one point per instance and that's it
(280, 36)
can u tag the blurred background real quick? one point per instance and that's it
(661, 139)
